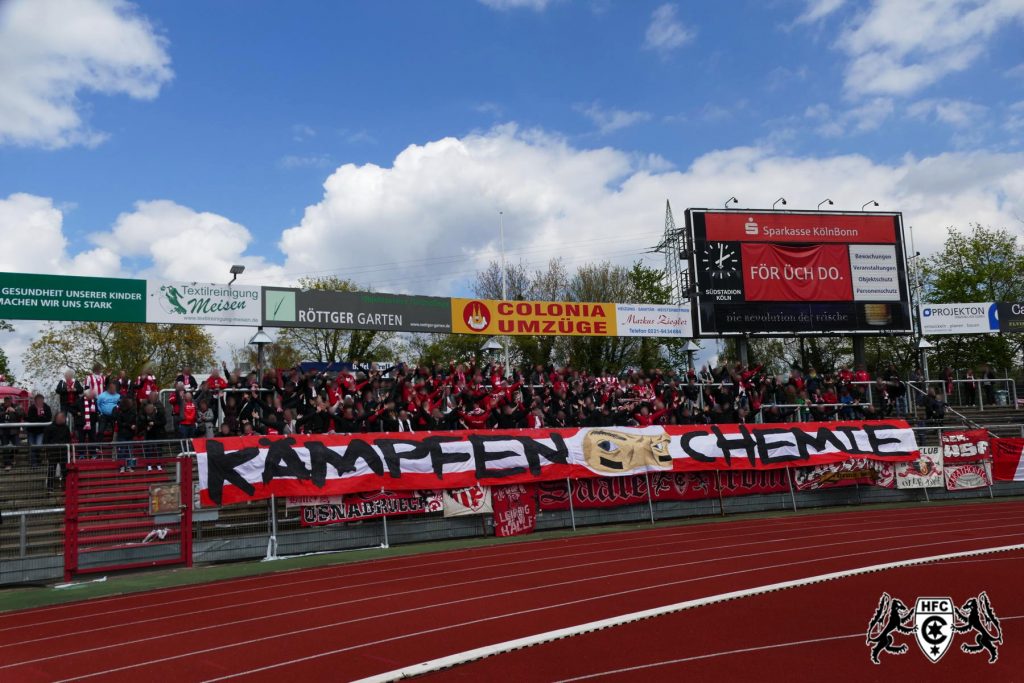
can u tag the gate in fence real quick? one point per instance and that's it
(118, 516)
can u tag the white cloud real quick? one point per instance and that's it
(32, 230)
(426, 222)
(51, 51)
(863, 119)
(610, 120)
(176, 242)
(819, 9)
(1015, 72)
(665, 32)
(292, 161)
(899, 47)
(302, 132)
(538, 5)
(439, 201)
(1015, 118)
(956, 113)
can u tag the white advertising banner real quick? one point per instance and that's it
(474, 500)
(924, 472)
(201, 303)
(653, 320)
(976, 318)
(875, 272)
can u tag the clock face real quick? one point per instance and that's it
(721, 260)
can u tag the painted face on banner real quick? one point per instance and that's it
(609, 450)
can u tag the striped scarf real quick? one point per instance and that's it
(88, 410)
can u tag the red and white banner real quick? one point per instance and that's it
(852, 472)
(776, 273)
(245, 468)
(973, 475)
(472, 500)
(925, 472)
(515, 509)
(968, 444)
(1008, 459)
(610, 492)
(371, 505)
(816, 228)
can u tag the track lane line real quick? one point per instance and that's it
(782, 518)
(446, 627)
(529, 641)
(220, 608)
(669, 533)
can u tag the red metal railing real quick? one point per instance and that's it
(117, 517)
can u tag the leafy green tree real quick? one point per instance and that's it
(132, 347)
(5, 365)
(979, 264)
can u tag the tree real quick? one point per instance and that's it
(277, 355)
(5, 365)
(981, 264)
(132, 347)
(331, 345)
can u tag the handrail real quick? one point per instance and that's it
(24, 425)
(963, 417)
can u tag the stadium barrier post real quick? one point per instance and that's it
(272, 524)
(792, 492)
(572, 511)
(185, 477)
(650, 498)
(927, 498)
(718, 483)
(384, 525)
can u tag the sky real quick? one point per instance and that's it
(379, 140)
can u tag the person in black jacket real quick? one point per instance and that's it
(127, 420)
(40, 412)
(69, 391)
(317, 422)
(57, 434)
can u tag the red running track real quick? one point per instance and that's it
(812, 633)
(354, 620)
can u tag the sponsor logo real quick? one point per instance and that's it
(750, 227)
(476, 315)
(934, 622)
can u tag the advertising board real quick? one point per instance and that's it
(782, 272)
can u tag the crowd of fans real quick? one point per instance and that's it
(104, 408)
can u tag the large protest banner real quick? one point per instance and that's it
(245, 468)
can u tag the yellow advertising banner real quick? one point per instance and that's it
(486, 316)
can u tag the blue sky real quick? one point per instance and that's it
(378, 140)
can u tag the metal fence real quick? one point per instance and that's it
(32, 506)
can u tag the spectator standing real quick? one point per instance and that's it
(87, 422)
(127, 419)
(41, 413)
(205, 420)
(188, 418)
(971, 387)
(95, 381)
(145, 385)
(9, 414)
(56, 434)
(187, 379)
(69, 391)
(106, 405)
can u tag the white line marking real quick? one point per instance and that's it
(529, 641)
(447, 627)
(740, 651)
(347, 602)
(662, 540)
(783, 518)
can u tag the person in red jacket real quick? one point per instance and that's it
(188, 417)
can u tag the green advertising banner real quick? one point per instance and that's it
(62, 297)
